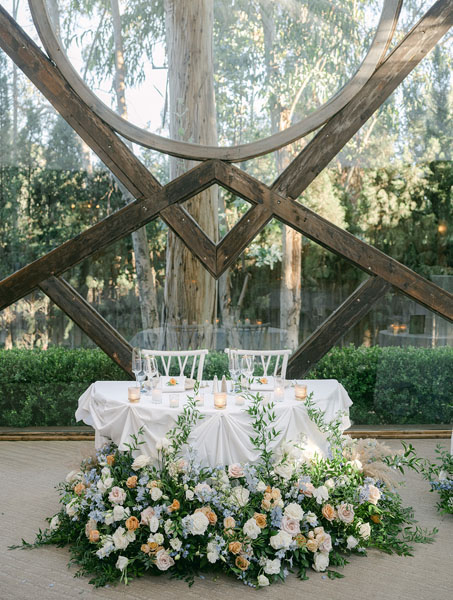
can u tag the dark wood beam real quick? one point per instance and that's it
(89, 320)
(336, 325)
(342, 127)
(99, 236)
(101, 139)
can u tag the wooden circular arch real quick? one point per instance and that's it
(374, 56)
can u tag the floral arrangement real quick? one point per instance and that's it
(172, 381)
(440, 476)
(124, 516)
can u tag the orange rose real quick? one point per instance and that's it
(328, 512)
(268, 490)
(94, 536)
(375, 518)
(276, 494)
(235, 547)
(263, 380)
(144, 548)
(78, 489)
(242, 563)
(175, 505)
(261, 520)
(132, 523)
(229, 523)
(212, 517)
(132, 482)
(172, 381)
(153, 546)
(110, 459)
(312, 545)
(266, 502)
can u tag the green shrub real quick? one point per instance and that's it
(386, 385)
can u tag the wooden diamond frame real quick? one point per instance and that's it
(277, 201)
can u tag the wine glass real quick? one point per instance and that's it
(152, 371)
(136, 361)
(233, 368)
(140, 374)
(247, 368)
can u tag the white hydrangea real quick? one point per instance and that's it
(281, 540)
(251, 529)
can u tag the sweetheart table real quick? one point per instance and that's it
(222, 437)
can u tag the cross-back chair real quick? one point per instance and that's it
(266, 356)
(182, 359)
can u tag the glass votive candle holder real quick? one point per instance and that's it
(174, 401)
(220, 400)
(199, 399)
(133, 394)
(239, 400)
(279, 393)
(156, 396)
(300, 391)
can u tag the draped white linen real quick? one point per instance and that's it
(222, 437)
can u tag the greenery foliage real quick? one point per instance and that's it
(125, 514)
(440, 476)
(386, 385)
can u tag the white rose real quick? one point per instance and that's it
(71, 508)
(153, 524)
(119, 513)
(240, 495)
(54, 523)
(281, 540)
(365, 530)
(272, 567)
(294, 511)
(263, 580)
(324, 542)
(141, 461)
(159, 539)
(199, 523)
(202, 489)
(285, 471)
(122, 562)
(163, 560)
(105, 472)
(176, 544)
(235, 471)
(73, 476)
(321, 561)
(106, 549)
(120, 539)
(189, 495)
(251, 529)
(291, 526)
(355, 464)
(261, 486)
(330, 484)
(311, 518)
(117, 495)
(321, 494)
(212, 553)
(373, 494)
(156, 493)
(351, 542)
(104, 484)
(168, 525)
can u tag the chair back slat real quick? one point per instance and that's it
(266, 357)
(182, 357)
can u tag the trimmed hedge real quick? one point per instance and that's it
(387, 385)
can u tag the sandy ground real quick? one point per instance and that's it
(30, 470)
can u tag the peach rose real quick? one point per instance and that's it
(346, 513)
(146, 515)
(266, 502)
(91, 524)
(374, 494)
(132, 482)
(78, 489)
(276, 494)
(312, 545)
(307, 489)
(242, 563)
(153, 547)
(235, 547)
(301, 540)
(110, 459)
(175, 505)
(212, 517)
(375, 518)
(94, 536)
(172, 381)
(328, 512)
(229, 523)
(261, 520)
(132, 523)
(144, 548)
(291, 526)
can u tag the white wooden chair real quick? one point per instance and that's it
(182, 358)
(266, 357)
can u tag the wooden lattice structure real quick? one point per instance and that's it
(275, 201)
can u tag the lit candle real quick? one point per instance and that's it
(156, 396)
(239, 400)
(133, 393)
(279, 394)
(220, 400)
(300, 391)
(174, 401)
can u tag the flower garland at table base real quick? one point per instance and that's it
(440, 477)
(123, 516)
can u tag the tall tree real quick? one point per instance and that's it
(190, 292)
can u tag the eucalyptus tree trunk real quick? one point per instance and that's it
(146, 280)
(190, 291)
(290, 288)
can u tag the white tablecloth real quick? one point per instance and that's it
(222, 437)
